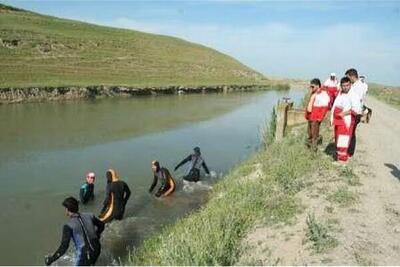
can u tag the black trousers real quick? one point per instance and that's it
(193, 176)
(89, 257)
(352, 145)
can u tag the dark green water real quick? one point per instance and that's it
(46, 149)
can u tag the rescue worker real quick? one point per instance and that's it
(85, 230)
(167, 186)
(358, 92)
(317, 108)
(196, 161)
(86, 192)
(117, 195)
(343, 119)
(331, 87)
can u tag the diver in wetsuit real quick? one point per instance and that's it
(196, 162)
(117, 195)
(86, 192)
(167, 182)
(85, 230)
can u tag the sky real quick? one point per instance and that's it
(291, 39)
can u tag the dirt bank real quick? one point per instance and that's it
(36, 94)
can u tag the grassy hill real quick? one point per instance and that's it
(38, 50)
(388, 94)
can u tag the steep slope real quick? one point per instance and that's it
(38, 50)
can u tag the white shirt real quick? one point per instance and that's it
(344, 102)
(360, 89)
(322, 99)
(330, 83)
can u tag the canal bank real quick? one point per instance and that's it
(260, 192)
(39, 94)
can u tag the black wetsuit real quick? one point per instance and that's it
(85, 230)
(86, 193)
(164, 176)
(121, 193)
(194, 172)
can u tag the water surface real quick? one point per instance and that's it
(46, 149)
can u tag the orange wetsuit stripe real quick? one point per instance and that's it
(109, 211)
(171, 188)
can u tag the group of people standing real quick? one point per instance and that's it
(346, 101)
(85, 229)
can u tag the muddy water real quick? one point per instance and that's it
(46, 149)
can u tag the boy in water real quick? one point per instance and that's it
(167, 182)
(87, 189)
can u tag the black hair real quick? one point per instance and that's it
(351, 72)
(316, 81)
(344, 80)
(157, 164)
(71, 204)
(197, 149)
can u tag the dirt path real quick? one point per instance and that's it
(373, 235)
(367, 231)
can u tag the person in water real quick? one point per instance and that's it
(87, 189)
(117, 195)
(167, 182)
(85, 230)
(196, 161)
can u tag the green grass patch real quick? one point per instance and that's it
(388, 94)
(342, 196)
(318, 234)
(38, 50)
(268, 132)
(349, 176)
(363, 260)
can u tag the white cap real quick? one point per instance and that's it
(333, 74)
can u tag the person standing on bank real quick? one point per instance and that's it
(317, 108)
(196, 162)
(85, 230)
(117, 195)
(357, 94)
(331, 87)
(342, 118)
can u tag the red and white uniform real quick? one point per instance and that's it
(343, 125)
(320, 106)
(331, 87)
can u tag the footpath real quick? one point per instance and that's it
(349, 216)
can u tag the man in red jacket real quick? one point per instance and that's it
(317, 108)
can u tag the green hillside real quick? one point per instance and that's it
(38, 50)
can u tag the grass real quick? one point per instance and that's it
(342, 196)
(363, 260)
(212, 235)
(349, 176)
(388, 94)
(318, 234)
(268, 132)
(39, 50)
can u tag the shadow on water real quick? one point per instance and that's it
(394, 170)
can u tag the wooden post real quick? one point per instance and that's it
(281, 118)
